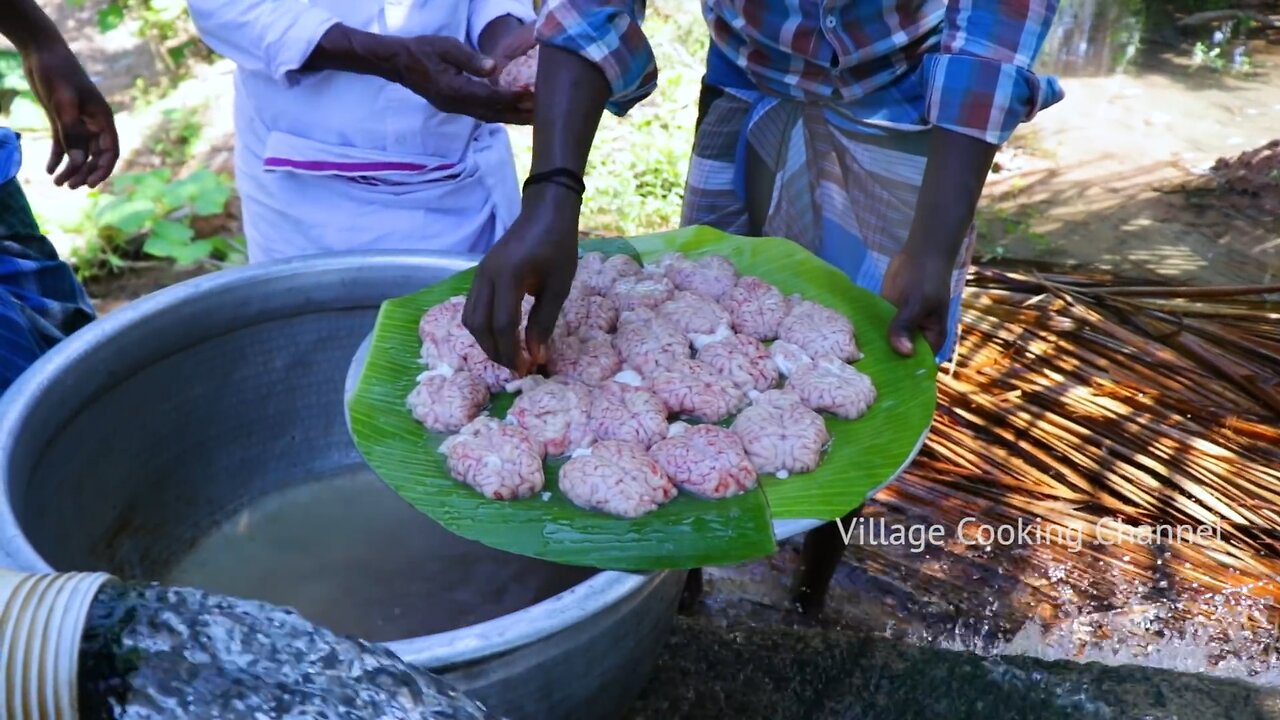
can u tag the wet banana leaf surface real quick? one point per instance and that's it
(688, 531)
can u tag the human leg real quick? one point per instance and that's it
(848, 191)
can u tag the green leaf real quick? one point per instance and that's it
(178, 54)
(687, 532)
(11, 76)
(170, 231)
(110, 17)
(203, 190)
(173, 240)
(212, 197)
(168, 10)
(196, 251)
(229, 249)
(129, 216)
(26, 114)
(151, 185)
(609, 246)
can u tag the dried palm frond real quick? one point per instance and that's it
(1079, 398)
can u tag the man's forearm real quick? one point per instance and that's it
(954, 176)
(570, 99)
(355, 51)
(25, 25)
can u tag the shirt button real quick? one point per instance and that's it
(831, 21)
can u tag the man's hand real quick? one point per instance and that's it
(918, 279)
(444, 71)
(506, 39)
(537, 256)
(84, 131)
(920, 287)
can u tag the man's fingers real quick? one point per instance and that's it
(519, 43)
(56, 154)
(543, 317)
(484, 95)
(902, 330)
(72, 132)
(90, 167)
(935, 334)
(510, 117)
(107, 142)
(477, 314)
(484, 102)
(465, 59)
(75, 161)
(106, 163)
(71, 127)
(506, 323)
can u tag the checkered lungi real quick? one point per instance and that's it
(815, 174)
(41, 301)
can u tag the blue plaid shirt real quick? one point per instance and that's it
(41, 301)
(964, 65)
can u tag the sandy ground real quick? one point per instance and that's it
(1096, 184)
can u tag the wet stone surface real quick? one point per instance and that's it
(709, 671)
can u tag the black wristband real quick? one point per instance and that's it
(564, 177)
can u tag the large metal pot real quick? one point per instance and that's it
(137, 436)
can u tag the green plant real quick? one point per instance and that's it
(1229, 33)
(173, 140)
(164, 24)
(637, 173)
(18, 104)
(1001, 227)
(635, 179)
(154, 207)
(1202, 54)
(12, 81)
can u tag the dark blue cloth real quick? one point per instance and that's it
(41, 301)
(723, 72)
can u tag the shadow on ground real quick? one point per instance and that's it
(1135, 221)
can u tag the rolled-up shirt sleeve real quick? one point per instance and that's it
(274, 37)
(607, 33)
(980, 83)
(483, 12)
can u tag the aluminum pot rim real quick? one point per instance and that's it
(492, 637)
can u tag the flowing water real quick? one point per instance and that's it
(156, 653)
(349, 554)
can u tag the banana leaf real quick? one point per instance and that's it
(688, 531)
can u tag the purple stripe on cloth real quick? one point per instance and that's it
(351, 167)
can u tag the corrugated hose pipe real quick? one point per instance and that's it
(42, 618)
